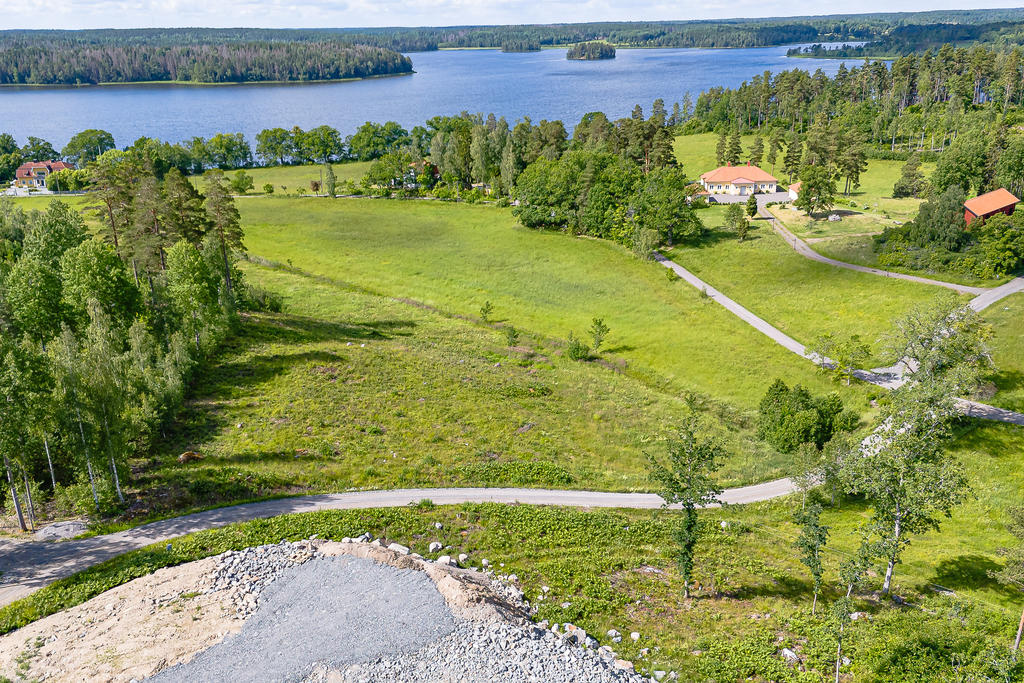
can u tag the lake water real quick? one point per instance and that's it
(536, 84)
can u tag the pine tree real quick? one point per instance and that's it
(774, 145)
(224, 222)
(757, 151)
(794, 154)
(720, 148)
(183, 216)
(734, 150)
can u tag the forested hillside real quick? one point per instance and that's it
(38, 63)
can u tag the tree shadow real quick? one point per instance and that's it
(788, 587)
(969, 572)
(621, 348)
(256, 354)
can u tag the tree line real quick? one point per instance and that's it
(612, 179)
(37, 63)
(100, 336)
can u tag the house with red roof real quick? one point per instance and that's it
(33, 173)
(989, 204)
(738, 180)
(794, 190)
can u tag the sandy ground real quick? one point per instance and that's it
(154, 622)
(129, 632)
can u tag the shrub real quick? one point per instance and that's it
(790, 417)
(576, 349)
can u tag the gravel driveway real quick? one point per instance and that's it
(336, 610)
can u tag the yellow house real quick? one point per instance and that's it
(738, 180)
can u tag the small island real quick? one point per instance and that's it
(597, 49)
(520, 45)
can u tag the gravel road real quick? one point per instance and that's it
(336, 610)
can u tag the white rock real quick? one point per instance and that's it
(435, 547)
(658, 675)
(634, 636)
(485, 563)
(398, 548)
(545, 588)
(438, 525)
(463, 557)
(445, 559)
(789, 655)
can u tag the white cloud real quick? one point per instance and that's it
(342, 13)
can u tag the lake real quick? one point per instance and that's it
(542, 85)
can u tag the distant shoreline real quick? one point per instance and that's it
(200, 84)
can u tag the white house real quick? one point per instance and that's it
(738, 180)
(794, 191)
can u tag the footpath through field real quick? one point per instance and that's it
(984, 296)
(889, 378)
(28, 566)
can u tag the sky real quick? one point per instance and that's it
(72, 14)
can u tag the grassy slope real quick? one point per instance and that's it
(803, 298)
(1007, 317)
(350, 390)
(616, 570)
(456, 257)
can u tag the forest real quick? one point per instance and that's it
(71, 48)
(28, 62)
(590, 51)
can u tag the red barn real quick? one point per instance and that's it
(989, 204)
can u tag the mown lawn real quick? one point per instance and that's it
(801, 297)
(616, 569)
(456, 256)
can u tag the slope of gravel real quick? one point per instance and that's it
(336, 610)
(476, 652)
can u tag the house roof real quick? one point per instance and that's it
(26, 169)
(731, 174)
(795, 187)
(990, 202)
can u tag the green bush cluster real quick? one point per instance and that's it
(789, 417)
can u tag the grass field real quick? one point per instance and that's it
(803, 298)
(456, 257)
(296, 179)
(351, 390)
(1007, 317)
(615, 569)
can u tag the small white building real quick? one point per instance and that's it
(738, 180)
(794, 191)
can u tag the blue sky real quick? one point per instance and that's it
(342, 13)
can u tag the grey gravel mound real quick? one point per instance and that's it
(335, 610)
(483, 653)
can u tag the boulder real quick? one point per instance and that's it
(634, 636)
(435, 547)
(398, 548)
(789, 655)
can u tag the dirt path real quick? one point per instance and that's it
(30, 565)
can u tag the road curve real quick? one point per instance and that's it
(31, 565)
(888, 378)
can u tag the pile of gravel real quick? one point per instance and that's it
(476, 652)
(245, 573)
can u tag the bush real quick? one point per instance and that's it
(576, 349)
(788, 417)
(268, 188)
(77, 500)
